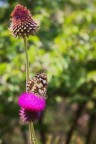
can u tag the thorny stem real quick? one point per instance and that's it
(31, 126)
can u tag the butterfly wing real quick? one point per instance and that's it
(38, 84)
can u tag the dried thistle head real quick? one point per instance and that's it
(22, 23)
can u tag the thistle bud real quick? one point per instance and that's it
(22, 23)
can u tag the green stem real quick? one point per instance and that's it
(31, 126)
(32, 133)
(27, 64)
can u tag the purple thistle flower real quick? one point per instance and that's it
(31, 101)
(31, 106)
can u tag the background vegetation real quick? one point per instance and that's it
(66, 46)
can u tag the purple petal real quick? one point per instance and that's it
(32, 102)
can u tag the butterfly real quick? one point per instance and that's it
(38, 84)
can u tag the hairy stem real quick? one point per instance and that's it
(31, 126)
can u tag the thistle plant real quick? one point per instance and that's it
(32, 102)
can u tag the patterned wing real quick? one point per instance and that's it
(38, 84)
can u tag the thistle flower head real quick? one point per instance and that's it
(22, 23)
(28, 115)
(32, 102)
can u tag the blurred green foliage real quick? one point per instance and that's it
(65, 46)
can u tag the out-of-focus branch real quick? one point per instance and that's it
(42, 132)
(91, 125)
(74, 124)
